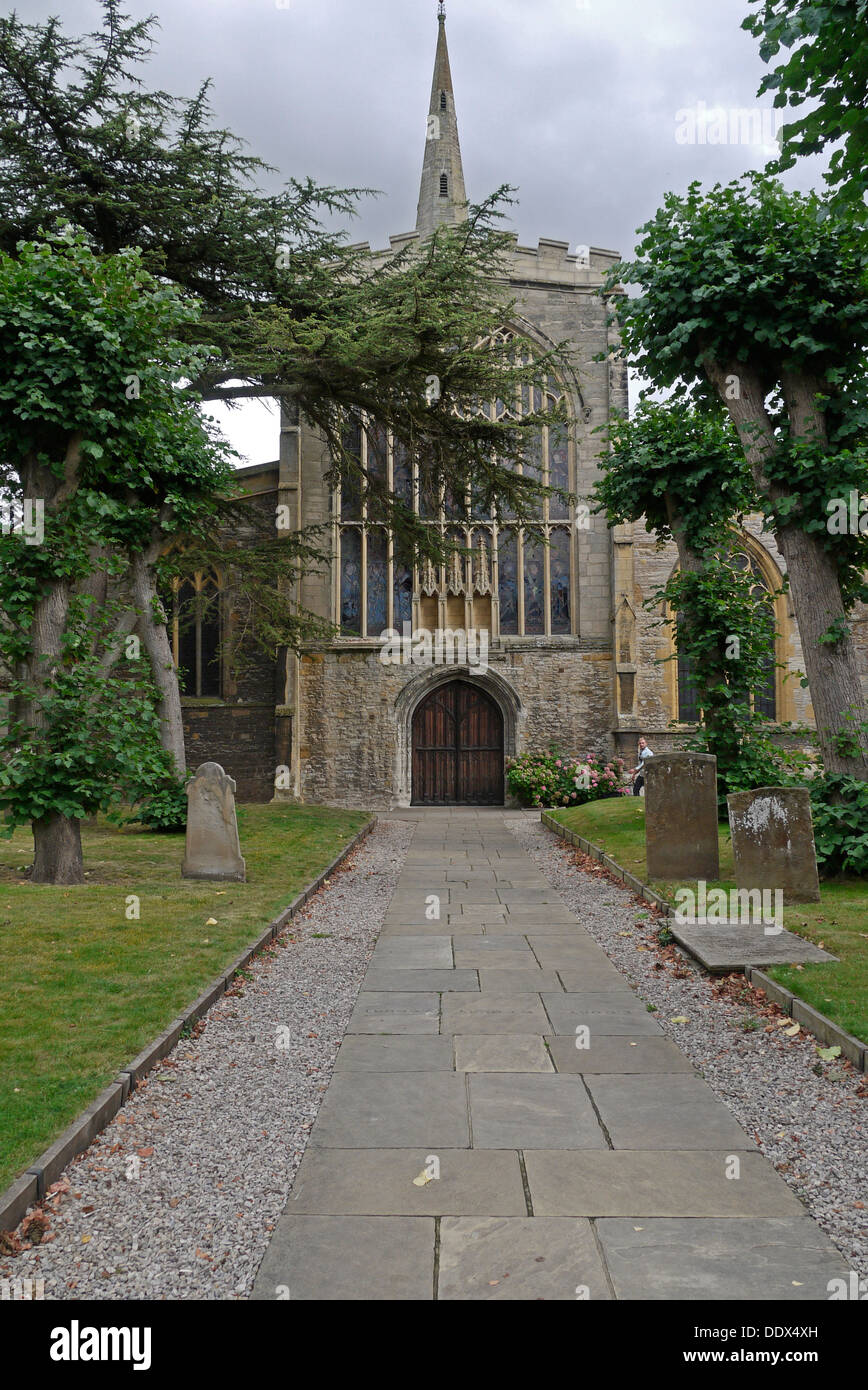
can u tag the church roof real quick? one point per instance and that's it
(442, 196)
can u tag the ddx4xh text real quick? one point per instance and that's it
(724, 1333)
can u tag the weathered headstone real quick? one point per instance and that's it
(681, 816)
(213, 847)
(773, 841)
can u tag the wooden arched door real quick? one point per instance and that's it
(457, 748)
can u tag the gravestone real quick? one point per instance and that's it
(773, 841)
(213, 848)
(681, 816)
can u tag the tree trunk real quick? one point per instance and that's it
(157, 645)
(57, 850)
(832, 669)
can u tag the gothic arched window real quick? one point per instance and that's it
(499, 578)
(764, 697)
(442, 101)
(194, 627)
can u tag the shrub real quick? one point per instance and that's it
(553, 779)
(839, 806)
(163, 809)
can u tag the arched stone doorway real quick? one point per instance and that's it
(457, 747)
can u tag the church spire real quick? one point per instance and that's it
(442, 195)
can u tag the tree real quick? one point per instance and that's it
(756, 299)
(288, 309)
(682, 471)
(827, 44)
(99, 442)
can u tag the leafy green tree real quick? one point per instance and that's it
(683, 472)
(96, 440)
(756, 299)
(826, 64)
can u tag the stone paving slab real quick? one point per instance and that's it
(394, 1110)
(700, 1259)
(528, 981)
(627, 1017)
(411, 953)
(532, 1112)
(493, 1013)
(391, 1012)
(372, 1052)
(320, 1258)
(596, 975)
(378, 980)
(618, 1053)
(380, 1182)
(501, 1052)
(725, 947)
(645, 1183)
(501, 953)
(515, 1258)
(664, 1112)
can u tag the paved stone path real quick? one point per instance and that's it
(560, 1171)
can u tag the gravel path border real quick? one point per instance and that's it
(178, 1197)
(810, 1126)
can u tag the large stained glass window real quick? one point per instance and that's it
(521, 584)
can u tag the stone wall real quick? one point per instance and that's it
(240, 738)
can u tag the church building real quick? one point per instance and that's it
(572, 658)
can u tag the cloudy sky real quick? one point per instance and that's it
(576, 103)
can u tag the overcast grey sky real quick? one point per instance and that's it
(575, 102)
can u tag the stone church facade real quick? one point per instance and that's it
(573, 658)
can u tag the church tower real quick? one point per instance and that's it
(442, 195)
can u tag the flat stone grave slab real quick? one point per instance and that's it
(530, 981)
(367, 1052)
(383, 979)
(411, 953)
(618, 1053)
(507, 1052)
(664, 1112)
(722, 948)
(493, 1013)
(626, 1016)
(380, 1182)
(637, 1183)
(393, 1110)
(392, 1012)
(532, 1112)
(341, 1258)
(766, 1258)
(518, 1258)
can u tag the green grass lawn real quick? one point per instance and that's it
(84, 989)
(839, 921)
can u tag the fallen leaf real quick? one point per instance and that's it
(212, 922)
(423, 1179)
(145, 1153)
(85, 1239)
(828, 1054)
(680, 1018)
(791, 1032)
